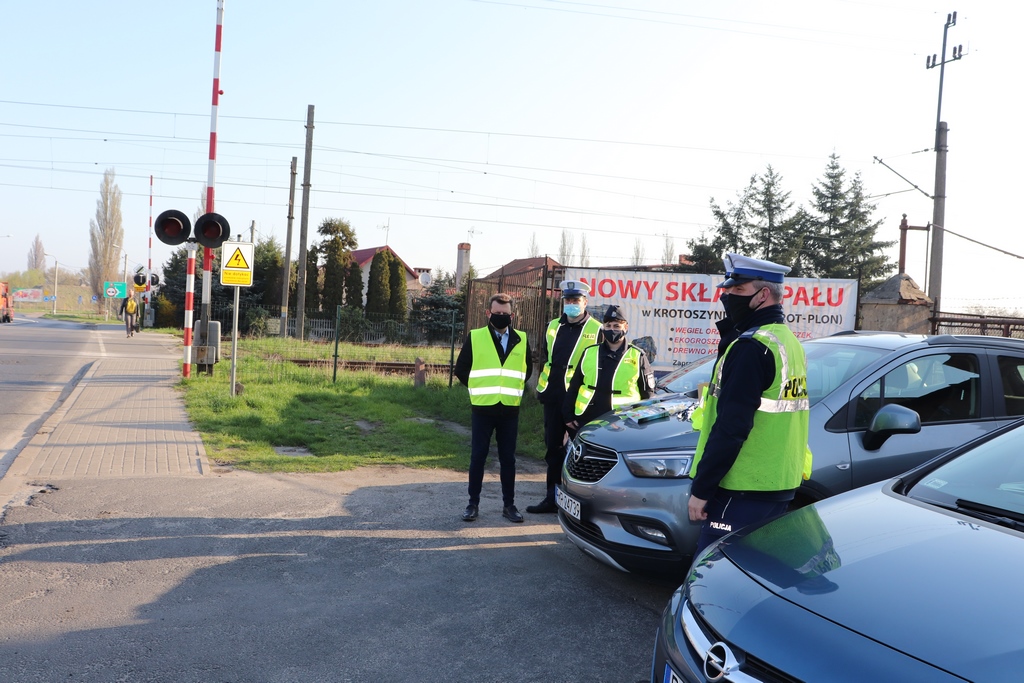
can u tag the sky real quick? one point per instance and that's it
(496, 123)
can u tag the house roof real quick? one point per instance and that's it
(364, 256)
(523, 264)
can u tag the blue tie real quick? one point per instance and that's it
(504, 341)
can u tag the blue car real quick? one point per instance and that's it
(914, 579)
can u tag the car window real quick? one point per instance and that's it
(830, 365)
(991, 474)
(1011, 372)
(940, 388)
(688, 379)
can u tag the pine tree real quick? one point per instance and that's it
(398, 305)
(839, 232)
(378, 291)
(437, 307)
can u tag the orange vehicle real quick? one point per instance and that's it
(6, 304)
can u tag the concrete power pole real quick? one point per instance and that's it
(288, 253)
(300, 314)
(939, 197)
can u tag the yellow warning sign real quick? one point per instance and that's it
(237, 260)
(237, 270)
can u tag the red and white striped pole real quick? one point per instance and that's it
(190, 286)
(149, 261)
(211, 174)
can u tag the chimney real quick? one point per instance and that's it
(462, 263)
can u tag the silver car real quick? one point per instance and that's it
(625, 483)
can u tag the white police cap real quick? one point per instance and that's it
(572, 288)
(740, 269)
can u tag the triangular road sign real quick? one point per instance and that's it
(237, 260)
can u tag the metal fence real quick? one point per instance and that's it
(968, 323)
(535, 293)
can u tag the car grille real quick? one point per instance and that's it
(593, 462)
(587, 530)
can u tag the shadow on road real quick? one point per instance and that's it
(356, 576)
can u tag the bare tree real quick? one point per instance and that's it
(584, 251)
(638, 253)
(533, 250)
(105, 235)
(36, 256)
(668, 251)
(565, 246)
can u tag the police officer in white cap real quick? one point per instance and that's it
(565, 340)
(753, 442)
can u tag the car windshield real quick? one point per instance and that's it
(828, 366)
(987, 478)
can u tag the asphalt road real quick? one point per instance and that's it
(359, 576)
(367, 575)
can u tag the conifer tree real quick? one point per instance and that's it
(353, 284)
(839, 232)
(378, 291)
(397, 302)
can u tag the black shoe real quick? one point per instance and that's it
(545, 506)
(471, 513)
(512, 514)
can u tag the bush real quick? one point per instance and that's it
(256, 321)
(166, 313)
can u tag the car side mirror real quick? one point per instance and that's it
(890, 419)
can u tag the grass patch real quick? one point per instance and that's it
(363, 419)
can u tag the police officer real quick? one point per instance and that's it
(494, 363)
(610, 375)
(752, 450)
(566, 338)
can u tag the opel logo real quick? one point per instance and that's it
(577, 451)
(719, 662)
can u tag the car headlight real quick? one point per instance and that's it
(669, 464)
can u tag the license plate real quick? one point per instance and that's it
(671, 676)
(567, 503)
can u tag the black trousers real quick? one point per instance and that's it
(554, 433)
(504, 428)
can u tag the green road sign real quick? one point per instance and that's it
(115, 290)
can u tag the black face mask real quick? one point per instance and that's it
(614, 336)
(737, 307)
(501, 320)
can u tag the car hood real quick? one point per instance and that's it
(937, 586)
(661, 422)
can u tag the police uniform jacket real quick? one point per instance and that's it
(464, 363)
(601, 403)
(560, 354)
(748, 372)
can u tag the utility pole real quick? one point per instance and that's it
(288, 253)
(939, 196)
(300, 315)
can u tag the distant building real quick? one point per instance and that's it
(364, 258)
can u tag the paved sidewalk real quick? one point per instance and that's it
(124, 419)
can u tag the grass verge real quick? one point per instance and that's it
(363, 419)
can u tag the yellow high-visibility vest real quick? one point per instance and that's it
(624, 382)
(588, 336)
(490, 380)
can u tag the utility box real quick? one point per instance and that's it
(149, 317)
(206, 351)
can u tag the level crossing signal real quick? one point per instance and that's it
(173, 227)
